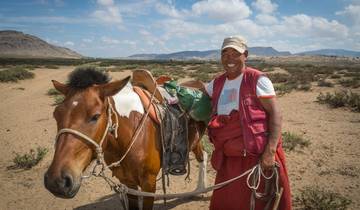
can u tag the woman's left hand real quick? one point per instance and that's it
(267, 160)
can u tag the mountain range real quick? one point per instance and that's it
(253, 51)
(18, 44)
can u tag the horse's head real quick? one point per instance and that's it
(84, 109)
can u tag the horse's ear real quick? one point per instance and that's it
(112, 88)
(62, 88)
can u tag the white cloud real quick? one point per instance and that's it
(169, 10)
(108, 40)
(105, 2)
(351, 11)
(108, 13)
(265, 6)
(302, 25)
(224, 10)
(69, 43)
(266, 19)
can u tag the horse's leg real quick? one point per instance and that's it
(133, 200)
(201, 156)
(196, 132)
(148, 185)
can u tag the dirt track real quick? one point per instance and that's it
(26, 123)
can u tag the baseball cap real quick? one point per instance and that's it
(236, 42)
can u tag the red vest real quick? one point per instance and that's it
(253, 125)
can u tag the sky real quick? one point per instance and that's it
(111, 28)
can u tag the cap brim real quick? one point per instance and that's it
(237, 48)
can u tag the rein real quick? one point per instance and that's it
(123, 190)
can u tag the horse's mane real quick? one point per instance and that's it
(85, 77)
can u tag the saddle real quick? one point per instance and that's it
(169, 117)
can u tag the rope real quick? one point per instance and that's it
(137, 131)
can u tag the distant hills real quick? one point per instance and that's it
(18, 44)
(253, 51)
(332, 52)
(207, 55)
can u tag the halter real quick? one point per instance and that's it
(109, 127)
(98, 146)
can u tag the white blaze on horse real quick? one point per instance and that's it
(89, 97)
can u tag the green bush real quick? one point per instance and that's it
(51, 67)
(335, 76)
(29, 160)
(341, 99)
(325, 83)
(58, 99)
(53, 92)
(15, 74)
(315, 198)
(353, 83)
(278, 77)
(291, 141)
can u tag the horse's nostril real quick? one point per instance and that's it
(68, 182)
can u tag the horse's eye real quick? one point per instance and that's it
(95, 118)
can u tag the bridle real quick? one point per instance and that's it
(110, 127)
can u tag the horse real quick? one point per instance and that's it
(88, 96)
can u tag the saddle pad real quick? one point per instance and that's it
(145, 99)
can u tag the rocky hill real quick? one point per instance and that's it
(18, 44)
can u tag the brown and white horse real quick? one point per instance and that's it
(84, 109)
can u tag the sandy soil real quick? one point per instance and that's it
(331, 161)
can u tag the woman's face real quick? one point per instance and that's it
(233, 61)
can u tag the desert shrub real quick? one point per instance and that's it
(335, 76)
(341, 99)
(304, 87)
(353, 83)
(15, 74)
(52, 92)
(325, 83)
(315, 198)
(58, 99)
(352, 74)
(28, 160)
(204, 77)
(51, 67)
(291, 141)
(284, 88)
(278, 77)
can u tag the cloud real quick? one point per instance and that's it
(224, 10)
(302, 25)
(108, 40)
(109, 12)
(265, 6)
(266, 19)
(352, 12)
(169, 10)
(69, 43)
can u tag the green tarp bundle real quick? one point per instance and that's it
(194, 102)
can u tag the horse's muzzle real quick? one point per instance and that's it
(63, 186)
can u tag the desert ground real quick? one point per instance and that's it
(331, 161)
